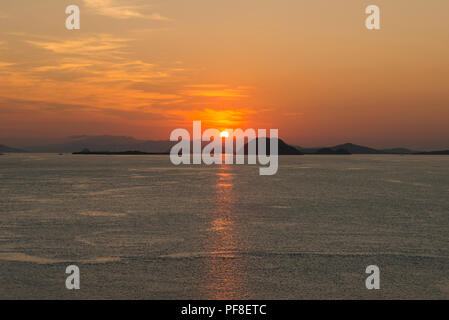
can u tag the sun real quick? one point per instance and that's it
(224, 134)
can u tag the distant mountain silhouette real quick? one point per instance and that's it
(283, 148)
(115, 144)
(356, 149)
(398, 151)
(132, 153)
(105, 142)
(332, 151)
(307, 150)
(9, 149)
(123, 144)
(350, 148)
(441, 152)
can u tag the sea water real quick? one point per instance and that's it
(140, 227)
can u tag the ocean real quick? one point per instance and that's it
(139, 227)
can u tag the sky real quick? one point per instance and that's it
(311, 69)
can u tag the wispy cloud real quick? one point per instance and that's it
(85, 46)
(214, 90)
(5, 64)
(114, 9)
(8, 105)
(220, 118)
(63, 66)
(157, 16)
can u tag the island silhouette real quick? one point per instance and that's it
(122, 145)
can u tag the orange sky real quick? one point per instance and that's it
(308, 68)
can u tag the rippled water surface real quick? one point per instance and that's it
(139, 227)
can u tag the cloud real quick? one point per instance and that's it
(158, 17)
(19, 106)
(217, 90)
(219, 118)
(84, 46)
(5, 64)
(223, 93)
(63, 66)
(207, 86)
(114, 10)
(12, 105)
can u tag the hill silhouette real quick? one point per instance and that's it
(9, 149)
(351, 148)
(441, 152)
(114, 144)
(398, 151)
(356, 149)
(130, 153)
(105, 142)
(283, 148)
(332, 151)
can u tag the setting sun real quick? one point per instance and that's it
(224, 134)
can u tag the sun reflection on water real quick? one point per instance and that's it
(225, 268)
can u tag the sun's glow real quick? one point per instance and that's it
(224, 134)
